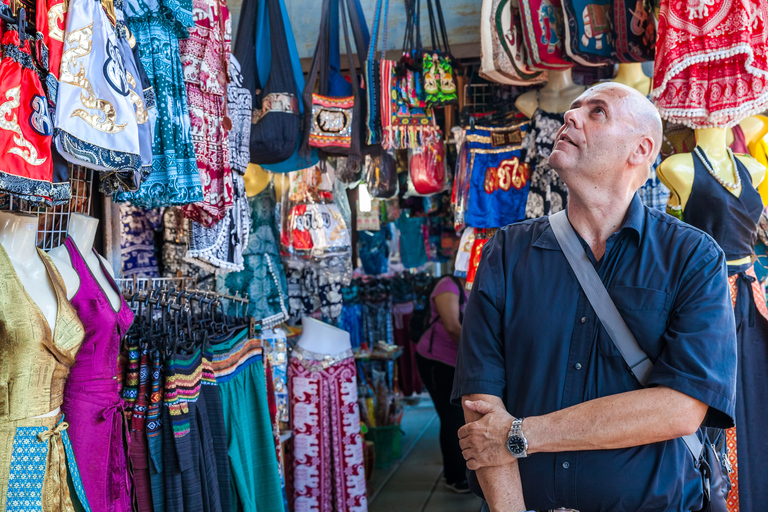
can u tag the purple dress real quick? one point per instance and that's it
(92, 402)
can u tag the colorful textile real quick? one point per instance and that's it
(35, 373)
(137, 243)
(654, 193)
(328, 472)
(635, 30)
(275, 345)
(544, 34)
(548, 193)
(50, 22)
(481, 238)
(174, 179)
(498, 176)
(204, 58)
(26, 162)
(589, 31)
(91, 399)
(98, 109)
(239, 110)
(711, 66)
(253, 462)
(463, 255)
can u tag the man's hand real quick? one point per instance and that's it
(484, 442)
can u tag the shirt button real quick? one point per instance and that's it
(583, 320)
(577, 366)
(566, 465)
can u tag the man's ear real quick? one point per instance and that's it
(642, 152)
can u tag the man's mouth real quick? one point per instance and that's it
(565, 138)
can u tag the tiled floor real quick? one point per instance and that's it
(415, 483)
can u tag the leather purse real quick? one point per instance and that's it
(711, 454)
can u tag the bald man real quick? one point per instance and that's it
(554, 417)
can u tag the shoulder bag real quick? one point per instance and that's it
(711, 456)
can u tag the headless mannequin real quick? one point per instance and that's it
(18, 234)
(555, 97)
(677, 171)
(321, 338)
(256, 180)
(82, 230)
(753, 127)
(631, 74)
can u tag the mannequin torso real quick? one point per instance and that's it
(677, 171)
(753, 127)
(555, 97)
(82, 229)
(631, 75)
(322, 338)
(18, 234)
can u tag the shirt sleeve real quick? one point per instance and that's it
(445, 285)
(699, 358)
(480, 365)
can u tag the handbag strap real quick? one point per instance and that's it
(280, 73)
(638, 361)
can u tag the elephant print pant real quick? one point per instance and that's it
(328, 473)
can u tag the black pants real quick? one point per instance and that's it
(438, 379)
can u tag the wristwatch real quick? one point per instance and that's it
(517, 444)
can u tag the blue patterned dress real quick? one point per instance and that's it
(158, 25)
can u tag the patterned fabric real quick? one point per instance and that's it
(310, 291)
(263, 277)
(204, 60)
(711, 65)
(25, 129)
(275, 345)
(176, 231)
(548, 193)
(328, 472)
(98, 110)
(589, 38)
(91, 398)
(174, 179)
(137, 244)
(635, 30)
(239, 107)
(33, 382)
(221, 246)
(544, 34)
(654, 193)
(50, 22)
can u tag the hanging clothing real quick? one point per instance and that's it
(239, 371)
(137, 243)
(26, 162)
(37, 359)
(413, 253)
(239, 110)
(157, 28)
(548, 193)
(410, 382)
(92, 402)
(263, 277)
(739, 144)
(221, 246)
(498, 176)
(328, 473)
(50, 22)
(204, 59)
(275, 344)
(654, 193)
(176, 230)
(711, 62)
(96, 115)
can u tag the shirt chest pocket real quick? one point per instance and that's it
(645, 311)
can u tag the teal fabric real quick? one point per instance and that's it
(174, 179)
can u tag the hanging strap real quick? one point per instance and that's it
(280, 75)
(638, 361)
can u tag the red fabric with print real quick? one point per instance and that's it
(711, 63)
(205, 60)
(26, 166)
(51, 22)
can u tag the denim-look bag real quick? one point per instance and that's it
(712, 456)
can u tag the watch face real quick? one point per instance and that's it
(516, 445)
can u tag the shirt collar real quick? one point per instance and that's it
(634, 222)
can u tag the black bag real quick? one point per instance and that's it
(421, 318)
(276, 124)
(381, 174)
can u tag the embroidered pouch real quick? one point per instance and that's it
(544, 34)
(589, 31)
(331, 122)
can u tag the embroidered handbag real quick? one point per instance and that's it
(276, 125)
(635, 30)
(544, 33)
(588, 31)
(504, 58)
(334, 123)
(437, 64)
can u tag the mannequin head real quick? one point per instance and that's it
(611, 137)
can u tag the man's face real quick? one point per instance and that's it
(594, 141)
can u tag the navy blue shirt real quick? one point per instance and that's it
(531, 338)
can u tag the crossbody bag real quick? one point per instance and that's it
(710, 457)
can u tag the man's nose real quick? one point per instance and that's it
(572, 118)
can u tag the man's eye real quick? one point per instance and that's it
(599, 110)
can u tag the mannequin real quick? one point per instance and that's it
(18, 235)
(256, 180)
(555, 97)
(631, 74)
(677, 171)
(82, 229)
(321, 338)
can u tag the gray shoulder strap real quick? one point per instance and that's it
(637, 360)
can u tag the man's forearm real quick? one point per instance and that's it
(619, 421)
(501, 485)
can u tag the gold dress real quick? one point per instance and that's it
(35, 453)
